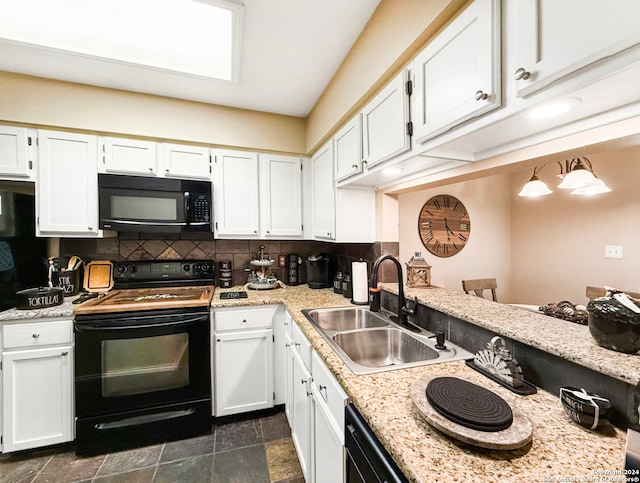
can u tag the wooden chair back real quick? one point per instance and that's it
(595, 292)
(478, 286)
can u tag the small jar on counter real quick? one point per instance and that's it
(337, 283)
(347, 288)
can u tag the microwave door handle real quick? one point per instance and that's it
(187, 213)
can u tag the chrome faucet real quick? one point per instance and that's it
(403, 310)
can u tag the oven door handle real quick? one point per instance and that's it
(91, 327)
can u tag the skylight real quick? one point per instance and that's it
(193, 37)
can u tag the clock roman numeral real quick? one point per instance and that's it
(436, 245)
(428, 236)
(445, 248)
(462, 215)
(462, 237)
(445, 201)
(436, 204)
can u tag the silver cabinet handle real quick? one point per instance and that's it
(521, 74)
(35, 336)
(481, 96)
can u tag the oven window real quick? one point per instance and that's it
(147, 364)
(143, 208)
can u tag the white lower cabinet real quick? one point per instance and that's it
(316, 413)
(242, 351)
(37, 384)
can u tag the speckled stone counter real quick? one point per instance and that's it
(64, 310)
(559, 449)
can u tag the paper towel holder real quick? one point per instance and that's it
(359, 283)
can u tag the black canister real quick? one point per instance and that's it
(293, 269)
(347, 288)
(337, 283)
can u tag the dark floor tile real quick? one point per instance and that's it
(142, 475)
(243, 465)
(185, 448)
(196, 469)
(133, 459)
(237, 435)
(21, 467)
(275, 427)
(65, 467)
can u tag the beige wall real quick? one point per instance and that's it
(539, 250)
(486, 254)
(395, 32)
(64, 105)
(557, 241)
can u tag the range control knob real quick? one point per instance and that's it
(186, 268)
(133, 268)
(204, 267)
(122, 269)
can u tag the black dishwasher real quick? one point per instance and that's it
(367, 460)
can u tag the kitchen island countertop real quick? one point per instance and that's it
(560, 451)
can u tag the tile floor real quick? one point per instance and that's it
(253, 450)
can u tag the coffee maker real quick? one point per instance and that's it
(320, 270)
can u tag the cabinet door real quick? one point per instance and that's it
(554, 38)
(235, 186)
(37, 397)
(323, 202)
(288, 404)
(190, 162)
(348, 149)
(281, 321)
(243, 371)
(67, 184)
(130, 156)
(385, 131)
(457, 76)
(281, 196)
(14, 153)
(328, 446)
(301, 426)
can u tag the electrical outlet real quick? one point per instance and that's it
(613, 251)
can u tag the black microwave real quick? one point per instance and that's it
(157, 205)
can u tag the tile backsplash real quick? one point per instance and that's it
(238, 252)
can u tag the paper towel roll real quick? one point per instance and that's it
(359, 281)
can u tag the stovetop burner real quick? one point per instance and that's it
(468, 404)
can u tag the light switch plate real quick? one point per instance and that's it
(613, 251)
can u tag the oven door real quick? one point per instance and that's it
(126, 362)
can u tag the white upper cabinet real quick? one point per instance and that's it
(281, 196)
(457, 76)
(183, 161)
(385, 122)
(15, 153)
(129, 156)
(323, 194)
(67, 184)
(348, 149)
(236, 191)
(556, 38)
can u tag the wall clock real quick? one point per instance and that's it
(444, 225)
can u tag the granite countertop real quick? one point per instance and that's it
(560, 448)
(560, 451)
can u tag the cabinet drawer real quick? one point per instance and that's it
(245, 318)
(37, 334)
(302, 345)
(329, 389)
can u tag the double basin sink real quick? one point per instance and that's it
(369, 342)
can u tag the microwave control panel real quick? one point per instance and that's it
(200, 209)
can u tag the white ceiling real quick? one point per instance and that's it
(290, 50)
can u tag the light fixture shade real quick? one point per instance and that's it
(578, 177)
(598, 188)
(534, 187)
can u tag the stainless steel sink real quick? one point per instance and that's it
(383, 347)
(349, 318)
(369, 342)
